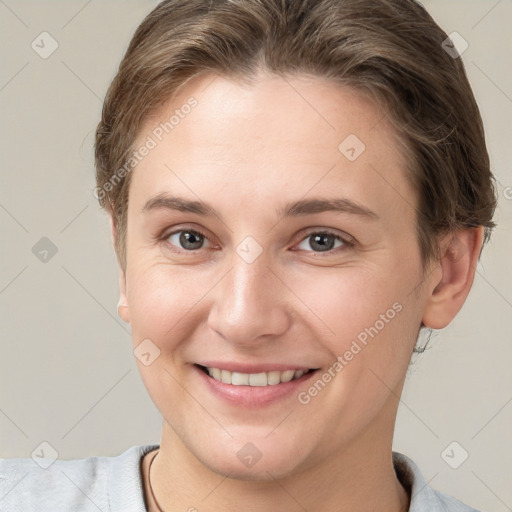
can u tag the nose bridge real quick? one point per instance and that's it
(248, 302)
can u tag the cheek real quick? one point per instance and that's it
(346, 300)
(161, 299)
(368, 317)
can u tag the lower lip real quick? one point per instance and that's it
(251, 397)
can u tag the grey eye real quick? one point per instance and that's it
(321, 242)
(187, 239)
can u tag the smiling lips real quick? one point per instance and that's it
(251, 386)
(260, 379)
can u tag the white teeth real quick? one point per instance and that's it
(240, 379)
(225, 377)
(287, 376)
(254, 379)
(257, 379)
(274, 378)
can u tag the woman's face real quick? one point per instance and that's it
(271, 229)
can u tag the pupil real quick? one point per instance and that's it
(323, 242)
(190, 240)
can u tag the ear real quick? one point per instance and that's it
(122, 306)
(459, 257)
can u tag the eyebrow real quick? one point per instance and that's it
(294, 209)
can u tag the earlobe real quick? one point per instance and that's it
(122, 306)
(459, 257)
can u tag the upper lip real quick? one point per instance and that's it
(252, 368)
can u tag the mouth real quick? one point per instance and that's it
(254, 385)
(260, 379)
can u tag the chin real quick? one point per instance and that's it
(261, 460)
(261, 472)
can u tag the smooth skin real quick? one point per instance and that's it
(247, 150)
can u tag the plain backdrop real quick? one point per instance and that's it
(67, 372)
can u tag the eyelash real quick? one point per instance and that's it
(347, 244)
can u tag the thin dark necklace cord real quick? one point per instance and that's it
(149, 482)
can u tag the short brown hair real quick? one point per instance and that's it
(389, 49)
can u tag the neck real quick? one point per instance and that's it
(360, 477)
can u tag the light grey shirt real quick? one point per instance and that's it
(114, 484)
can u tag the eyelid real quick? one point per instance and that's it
(345, 237)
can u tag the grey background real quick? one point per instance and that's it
(67, 371)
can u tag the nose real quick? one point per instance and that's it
(250, 304)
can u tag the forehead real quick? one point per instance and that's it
(270, 109)
(275, 135)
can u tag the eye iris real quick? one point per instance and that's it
(322, 241)
(190, 240)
